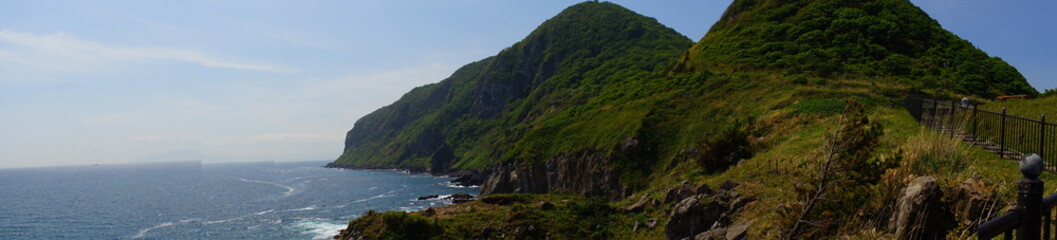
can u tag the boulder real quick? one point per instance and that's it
(460, 198)
(972, 198)
(685, 220)
(714, 234)
(728, 185)
(427, 197)
(499, 200)
(641, 204)
(544, 205)
(919, 212)
(739, 231)
(707, 211)
(685, 190)
(690, 216)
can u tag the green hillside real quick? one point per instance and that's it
(615, 135)
(484, 109)
(891, 40)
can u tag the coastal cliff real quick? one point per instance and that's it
(603, 124)
(485, 116)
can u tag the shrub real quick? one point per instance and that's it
(932, 153)
(820, 107)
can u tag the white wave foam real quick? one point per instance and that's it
(143, 232)
(223, 221)
(372, 198)
(264, 212)
(412, 208)
(372, 188)
(289, 190)
(320, 230)
(452, 185)
(309, 208)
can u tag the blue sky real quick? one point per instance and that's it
(85, 82)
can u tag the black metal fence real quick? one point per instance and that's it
(1008, 135)
(1031, 218)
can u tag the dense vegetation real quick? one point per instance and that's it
(891, 40)
(756, 101)
(483, 110)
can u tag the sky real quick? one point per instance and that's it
(87, 82)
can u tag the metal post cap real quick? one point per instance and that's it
(1031, 166)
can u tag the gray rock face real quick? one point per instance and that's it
(739, 231)
(587, 174)
(714, 234)
(686, 219)
(460, 198)
(643, 202)
(704, 212)
(919, 211)
(685, 190)
(971, 201)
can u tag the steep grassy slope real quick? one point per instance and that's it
(891, 40)
(1029, 108)
(786, 141)
(738, 106)
(474, 117)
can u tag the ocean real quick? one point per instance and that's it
(191, 200)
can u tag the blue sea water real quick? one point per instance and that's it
(191, 200)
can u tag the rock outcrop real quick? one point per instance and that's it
(973, 200)
(707, 212)
(587, 174)
(642, 204)
(468, 178)
(920, 212)
(460, 198)
(684, 191)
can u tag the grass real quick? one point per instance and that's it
(1029, 108)
(784, 157)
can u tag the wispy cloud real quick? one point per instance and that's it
(286, 138)
(61, 51)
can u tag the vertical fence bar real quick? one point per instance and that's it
(1042, 139)
(974, 122)
(950, 120)
(935, 112)
(1002, 136)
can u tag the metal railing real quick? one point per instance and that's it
(1007, 135)
(1032, 218)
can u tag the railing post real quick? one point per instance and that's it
(974, 122)
(950, 119)
(935, 113)
(1042, 137)
(1002, 136)
(1029, 198)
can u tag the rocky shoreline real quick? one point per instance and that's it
(463, 178)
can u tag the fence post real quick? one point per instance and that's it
(1002, 136)
(950, 119)
(935, 112)
(974, 122)
(1029, 198)
(1042, 137)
